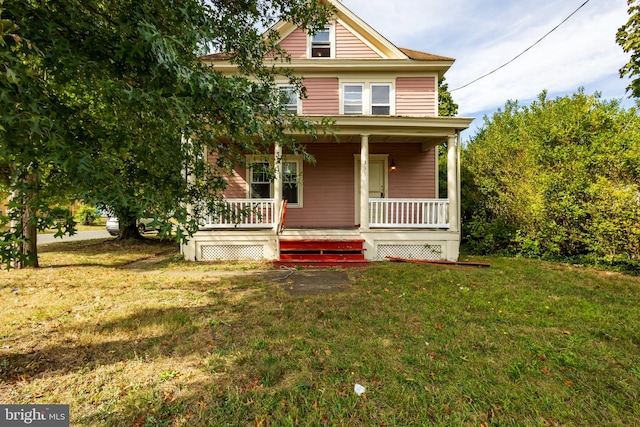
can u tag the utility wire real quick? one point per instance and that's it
(524, 51)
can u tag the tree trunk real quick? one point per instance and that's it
(30, 233)
(128, 227)
(28, 248)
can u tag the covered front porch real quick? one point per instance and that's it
(403, 227)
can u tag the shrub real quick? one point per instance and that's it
(86, 215)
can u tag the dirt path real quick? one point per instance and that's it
(296, 281)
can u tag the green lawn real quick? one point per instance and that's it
(522, 343)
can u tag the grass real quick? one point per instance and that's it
(522, 343)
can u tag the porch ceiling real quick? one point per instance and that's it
(429, 131)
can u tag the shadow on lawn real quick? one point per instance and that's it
(176, 332)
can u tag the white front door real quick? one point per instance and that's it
(377, 180)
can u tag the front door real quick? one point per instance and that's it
(377, 180)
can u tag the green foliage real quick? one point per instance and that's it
(557, 178)
(86, 215)
(628, 37)
(446, 105)
(110, 101)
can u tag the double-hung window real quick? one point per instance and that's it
(289, 99)
(352, 98)
(290, 183)
(381, 99)
(367, 98)
(260, 175)
(260, 185)
(321, 43)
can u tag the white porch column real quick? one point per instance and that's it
(277, 185)
(453, 183)
(364, 182)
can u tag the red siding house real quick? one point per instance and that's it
(373, 194)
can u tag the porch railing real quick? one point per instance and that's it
(242, 213)
(409, 213)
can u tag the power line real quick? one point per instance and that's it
(524, 51)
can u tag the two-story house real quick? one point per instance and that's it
(372, 192)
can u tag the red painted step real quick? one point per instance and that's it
(309, 245)
(320, 257)
(321, 252)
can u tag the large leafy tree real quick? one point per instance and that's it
(556, 178)
(628, 37)
(109, 100)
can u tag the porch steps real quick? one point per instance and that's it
(321, 253)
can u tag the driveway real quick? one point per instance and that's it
(43, 239)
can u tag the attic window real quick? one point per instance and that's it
(321, 43)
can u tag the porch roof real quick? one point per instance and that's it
(430, 131)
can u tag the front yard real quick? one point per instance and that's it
(520, 343)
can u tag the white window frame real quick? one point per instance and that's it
(297, 159)
(332, 44)
(283, 87)
(344, 100)
(372, 105)
(367, 95)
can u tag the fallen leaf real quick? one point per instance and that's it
(566, 333)
(545, 370)
(568, 383)
(327, 352)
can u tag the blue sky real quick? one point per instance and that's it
(484, 34)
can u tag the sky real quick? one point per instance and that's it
(484, 34)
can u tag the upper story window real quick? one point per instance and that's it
(321, 43)
(367, 98)
(352, 98)
(290, 98)
(381, 99)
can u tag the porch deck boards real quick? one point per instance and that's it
(322, 253)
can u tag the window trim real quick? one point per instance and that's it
(367, 95)
(362, 99)
(298, 103)
(331, 42)
(372, 105)
(291, 158)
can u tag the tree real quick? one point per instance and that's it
(555, 178)
(446, 108)
(628, 37)
(109, 98)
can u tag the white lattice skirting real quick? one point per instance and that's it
(422, 252)
(238, 252)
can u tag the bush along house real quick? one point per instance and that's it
(372, 192)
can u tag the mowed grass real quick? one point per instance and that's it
(522, 343)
